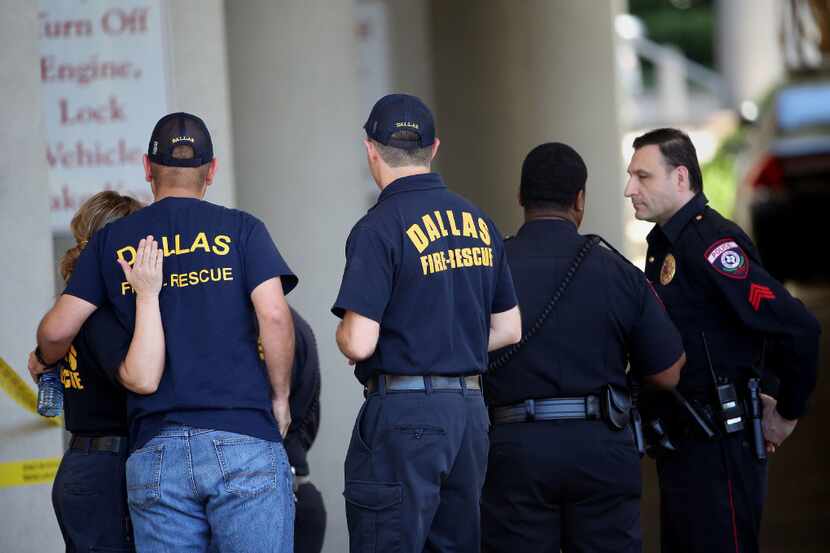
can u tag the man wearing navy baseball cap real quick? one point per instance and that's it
(207, 462)
(426, 293)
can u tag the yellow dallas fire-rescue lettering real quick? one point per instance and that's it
(221, 246)
(70, 377)
(433, 227)
(218, 245)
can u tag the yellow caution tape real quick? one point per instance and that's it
(22, 393)
(28, 472)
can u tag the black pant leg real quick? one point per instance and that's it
(711, 497)
(90, 500)
(402, 448)
(456, 525)
(520, 511)
(309, 520)
(569, 484)
(601, 498)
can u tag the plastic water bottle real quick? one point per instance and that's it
(49, 394)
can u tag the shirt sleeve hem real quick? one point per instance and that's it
(339, 309)
(86, 297)
(288, 280)
(650, 369)
(502, 307)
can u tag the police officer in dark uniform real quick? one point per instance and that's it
(563, 471)
(738, 325)
(426, 292)
(207, 464)
(310, 519)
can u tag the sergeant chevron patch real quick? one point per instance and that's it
(758, 293)
(727, 258)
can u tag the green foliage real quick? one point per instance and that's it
(692, 29)
(719, 178)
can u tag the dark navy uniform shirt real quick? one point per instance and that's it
(429, 267)
(607, 316)
(214, 258)
(708, 274)
(94, 403)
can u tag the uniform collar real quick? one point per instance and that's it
(413, 183)
(674, 226)
(538, 228)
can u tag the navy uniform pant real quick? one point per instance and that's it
(572, 486)
(414, 472)
(309, 520)
(90, 500)
(711, 496)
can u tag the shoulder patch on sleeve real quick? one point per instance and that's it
(727, 258)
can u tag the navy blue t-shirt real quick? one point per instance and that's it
(608, 316)
(429, 267)
(94, 403)
(214, 258)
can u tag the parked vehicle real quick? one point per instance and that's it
(783, 197)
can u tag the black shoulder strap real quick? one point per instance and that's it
(580, 256)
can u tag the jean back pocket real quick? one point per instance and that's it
(248, 465)
(144, 476)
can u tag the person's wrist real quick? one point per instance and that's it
(146, 296)
(42, 361)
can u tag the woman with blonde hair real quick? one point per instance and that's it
(89, 493)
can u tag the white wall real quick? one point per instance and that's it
(26, 282)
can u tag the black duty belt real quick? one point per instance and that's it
(112, 444)
(400, 383)
(577, 408)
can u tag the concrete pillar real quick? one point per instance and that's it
(750, 53)
(411, 48)
(298, 161)
(199, 80)
(517, 74)
(28, 523)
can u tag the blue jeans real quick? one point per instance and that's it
(190, 487)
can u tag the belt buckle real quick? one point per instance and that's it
(530, 410)
(593, 409)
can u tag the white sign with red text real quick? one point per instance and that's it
(103, 68)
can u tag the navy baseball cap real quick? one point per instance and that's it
(180, 129)
(401, 112)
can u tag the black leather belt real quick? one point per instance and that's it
(399, 383)
(578, 408)
(112, 444)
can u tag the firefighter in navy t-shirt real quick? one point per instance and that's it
(426, 292)
(207, 463)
